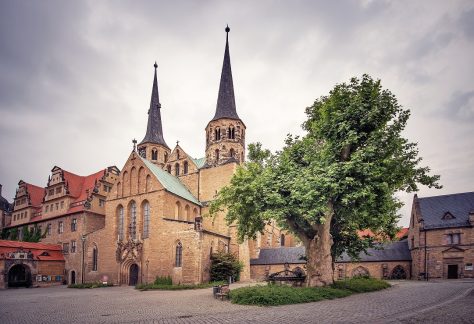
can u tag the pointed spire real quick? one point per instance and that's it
(226, 100)
(154, 129)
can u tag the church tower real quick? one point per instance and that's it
(225, 133)
(153, 146)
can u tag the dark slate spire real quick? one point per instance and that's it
(226, 100)
(154, 130)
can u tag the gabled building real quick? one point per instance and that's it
(441, 236)
(69, 208)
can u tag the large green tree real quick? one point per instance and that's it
(339, 178)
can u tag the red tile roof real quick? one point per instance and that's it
(36, 194)
(367, 232)
(40, 251)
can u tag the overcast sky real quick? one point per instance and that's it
(76, 77)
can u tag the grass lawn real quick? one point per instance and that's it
(272, 295)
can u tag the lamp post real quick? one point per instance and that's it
(83, 239)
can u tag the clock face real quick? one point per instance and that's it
(142, 152)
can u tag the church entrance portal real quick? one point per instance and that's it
(19, 276)
(452, 271)
(73, 277)
(133, 275)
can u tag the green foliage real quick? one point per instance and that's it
(90, 285)
(32, 234)
(347, 168)
(272, 295)
(361, 284)
(163, 281)
(225, 265)
(155, 286)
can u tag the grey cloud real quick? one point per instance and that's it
(466, 22)
(461, 106)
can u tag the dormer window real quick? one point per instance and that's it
(447, 216)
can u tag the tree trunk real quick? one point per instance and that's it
(318, 252)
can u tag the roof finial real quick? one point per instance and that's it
(134, 141)
(227, 29)
(155, 65)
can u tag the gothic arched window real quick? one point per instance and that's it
(120, 222)
(176, 169)
(217, 134)
(166, 157)
(282, 240)
(146, 219)
(177, 154)
(179, 255)
(187, 212)
(217, 155)
(185, 167)
(133, 220)
(231, 132)
(154, 155)
(95, 256)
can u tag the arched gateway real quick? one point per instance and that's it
(19, 275)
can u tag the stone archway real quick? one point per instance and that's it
(133, 275)
(19, 275)
(398, 273)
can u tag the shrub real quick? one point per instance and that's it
(272, 295)
(90, 285)
(163, 281)
(361, 284)
(225, 265)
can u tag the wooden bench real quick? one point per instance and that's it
(223, 292)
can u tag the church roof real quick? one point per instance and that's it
(392, 251)
(200, 162)
(170, 182)
(457, 206)
(225, 107)
(154, 129)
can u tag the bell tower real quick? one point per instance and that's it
(153, 146)
(225, 133)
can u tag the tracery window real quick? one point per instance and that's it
(120, 222)
(146, 219)
(133, 220)
(179, 255)
(231, 132)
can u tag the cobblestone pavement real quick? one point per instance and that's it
(405, 302)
